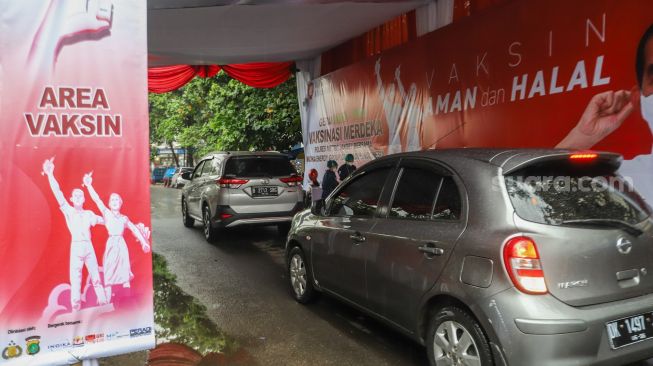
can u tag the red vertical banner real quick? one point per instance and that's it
(75, 246)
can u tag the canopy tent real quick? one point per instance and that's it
(222, 32)
(254, 41)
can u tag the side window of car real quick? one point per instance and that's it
(415, 194)
(448, 205)
(217, 166)
(208, 168)
(198, 170)
(361, 196)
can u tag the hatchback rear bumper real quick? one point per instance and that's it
(226, 217)
(541, 330)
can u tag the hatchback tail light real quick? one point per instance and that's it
(523, 265)
(583, 157)
(292, 181)
(231, 182)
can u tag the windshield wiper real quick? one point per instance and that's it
(629, 228)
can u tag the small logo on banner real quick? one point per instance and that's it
(58, 346)
(12, 351)
(78, 341)
(140, 332)
(33, 345)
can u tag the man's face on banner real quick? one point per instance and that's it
(310, 90)
(115, 201)
(77, 198)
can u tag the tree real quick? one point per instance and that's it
(221, 113)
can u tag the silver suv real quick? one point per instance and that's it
(488, 257)
(228, 189)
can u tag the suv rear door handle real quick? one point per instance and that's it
(430, 250)
(357, 237)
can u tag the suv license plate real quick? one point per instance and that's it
(633, 329)
(265, 191)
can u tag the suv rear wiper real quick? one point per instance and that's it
(629, 228)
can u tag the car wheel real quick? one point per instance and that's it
(300, 277)
(210, 234)
(188, 221)
(456, 338)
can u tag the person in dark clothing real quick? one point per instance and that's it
(347, 168)
(329, 182)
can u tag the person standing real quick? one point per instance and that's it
(117, 267)
(329, 182)
(79, 222)
(347, 168)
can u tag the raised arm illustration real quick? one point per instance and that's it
(88, 183)
(48, 169)
(402, 90)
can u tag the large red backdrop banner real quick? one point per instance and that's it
(75, 246)
(496, 79)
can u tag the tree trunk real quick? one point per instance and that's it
(174, 155)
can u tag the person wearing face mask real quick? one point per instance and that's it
(329, 181)
(347, 168)
(607, 111)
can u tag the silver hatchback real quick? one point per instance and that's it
(489, 257)
(228, 189)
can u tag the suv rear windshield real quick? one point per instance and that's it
(559, 193)
(259, 166)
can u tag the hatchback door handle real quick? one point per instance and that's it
(357, 237)
(431, 250)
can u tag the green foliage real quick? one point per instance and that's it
(221, 113)
(180, 318)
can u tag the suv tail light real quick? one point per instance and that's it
(523, 265)
(231, 182)
(292, 181)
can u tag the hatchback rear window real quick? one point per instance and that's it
(259, 166)
(556, 193)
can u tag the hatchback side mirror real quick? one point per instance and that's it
(186, 175)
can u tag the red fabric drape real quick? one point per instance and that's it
(258, 75)
(167, 78)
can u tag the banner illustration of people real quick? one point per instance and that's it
(498, 79)
(79, 222)
(73, 100)
(117, 268)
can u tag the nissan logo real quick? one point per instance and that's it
(624, 245)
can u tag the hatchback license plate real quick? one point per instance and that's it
(265, 191)
(632, 329)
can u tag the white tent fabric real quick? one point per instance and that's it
(434, 15)
(227, 32)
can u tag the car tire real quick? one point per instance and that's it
(300, 277)
(455, 336)
(210, 233)
(283, 229)
(187, 220)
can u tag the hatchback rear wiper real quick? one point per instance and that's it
(629, 228)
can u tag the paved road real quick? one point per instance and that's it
(242, 282)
